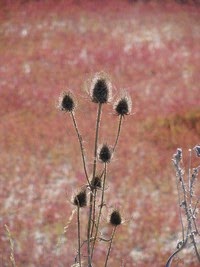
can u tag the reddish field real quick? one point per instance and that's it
(151, 50)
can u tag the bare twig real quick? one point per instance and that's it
(110, 245)
(118, 132)
(91, 193)
(101, 206)
(81, 147)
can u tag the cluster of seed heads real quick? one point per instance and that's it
(100, 92)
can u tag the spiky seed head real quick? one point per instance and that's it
(115, 218)
(96, 182)
(197, 150)
(123, 105)
(80, 199)
(104, 153)
(100, 88)
(67, 102)
(178, 156)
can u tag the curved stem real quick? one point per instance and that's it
(81, 146)
(168, 264)
(110, 245)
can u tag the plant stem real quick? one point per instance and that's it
(96, 138)
(195, 248)
(81, 146)
(180, 212)
(111, 241)
(91, 193)
(79, 235)
(101, 206)
(94, 212)
(118, 132)
(189, 176)
(168, 264)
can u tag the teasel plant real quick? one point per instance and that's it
(91, 198)
(188, 203)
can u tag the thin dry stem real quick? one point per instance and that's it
(91, 193)
(81, 147)
(118, 132)
(79, 235)
(110, 245)
(101, 206)
(186, 204)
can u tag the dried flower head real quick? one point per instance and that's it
(123, 105)
(80, 199)
(100, 89)
(115, 218)
(67, 102)
(104, 153)
(96, 182)
(197, 150)
(178, 156)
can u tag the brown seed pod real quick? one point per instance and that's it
(67, 102)
(115, 218)
(100, 88)
(80, 199)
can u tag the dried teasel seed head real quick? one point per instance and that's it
(104, 153)
(67, 102)
(96, 182)
(80, 199)
(115, 218)
(100, 88)
(123, 105)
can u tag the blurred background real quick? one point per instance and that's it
(148, 48)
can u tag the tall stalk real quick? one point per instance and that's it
(110, 245)
(101, 206)
(92, 190)
(79, 235)
(118, 132)
(81, 146)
